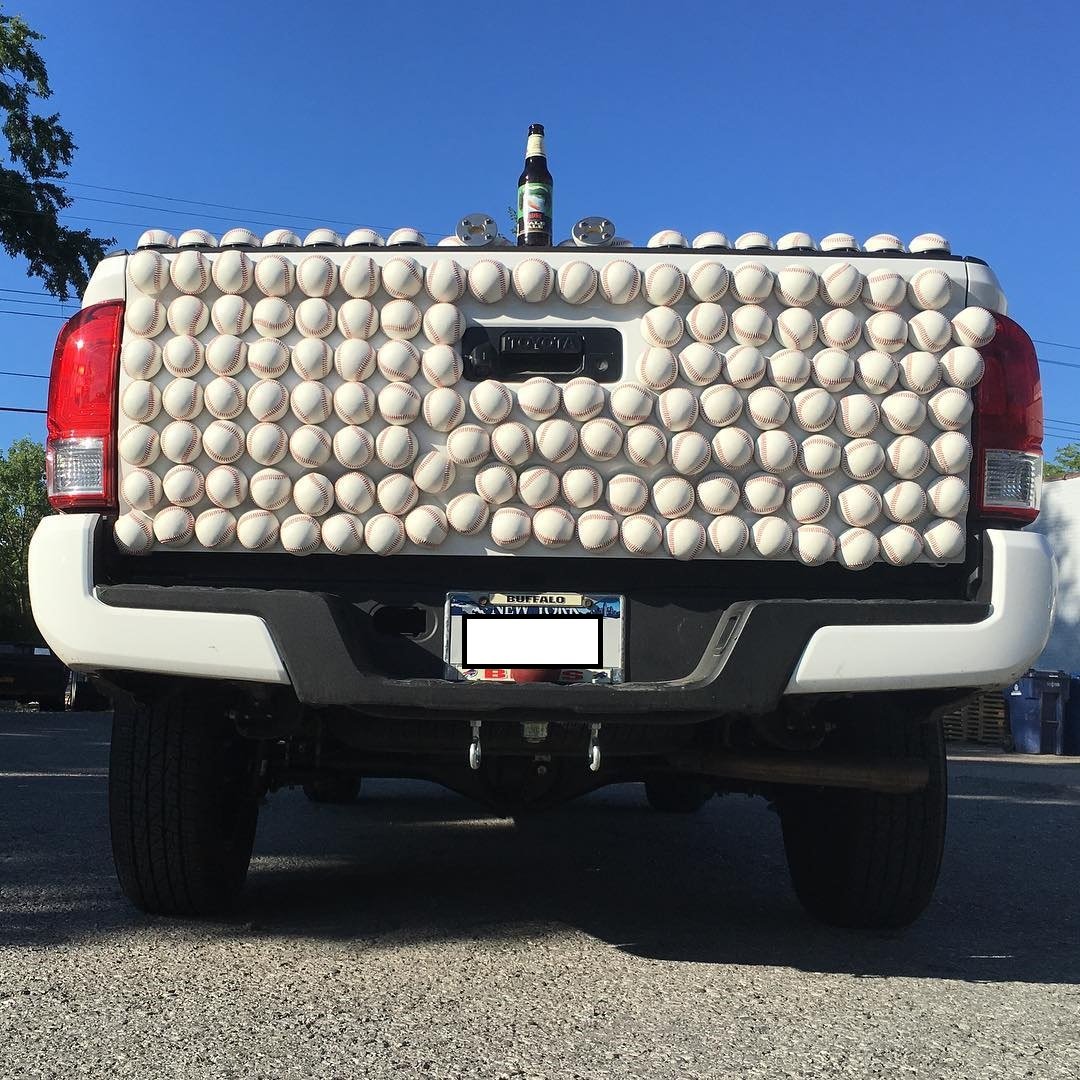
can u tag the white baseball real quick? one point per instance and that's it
(426, 526)
(930, 241)
(310, 446)
(384, 534)
(708, 281)
(673, 496)
(631, 403)
(134, 533)
(257, 530)
(884, 290)
(840, 329)
(443, 409)
(183, 356)
(272, 317)
(772, 537)
(717, 494)
(796, 328)
(750, 240)
(443, 323)
(405, 235)
(496, 483)
(677, 408)
(707, 322)
(402, 277)
(360, 277)
(859, 505)
(358, 318)
(944, 539)
(948, 496)
(667, 238)
(900, 545)
(751, 282)
(274, 275)
(268, 400)
(627, 493)
(775, 451)
(355, 360)
(140, 401)
(838, 241)
(963, 367)
(401, 319)
(538, 487)
(662, 327)
(721, 405)
(657, 368)
(814, 408)
(728, 535)
(813, 545)
(316, 276)
(398, 360)
(904, 502)
(553, 526)
(148, 271)
(397, 494)
(467, 513)
(768, 407)
(270, 489)
(856, 548)
(226, 355)
(577, 282)
(434, 472)
(689, 453)
(364, 238)
(511, 527)
(468, 445)
(354, 492)
(833, 369)
(489, 281)
(751, 324)
(809, 502)
(857, 415)
(819, 456)
(684, 538)
(641, 534)
(215, 528)
(396, 447)
(582, 486)
(921, 372)
(796, 286)
(312, 358)
(300, 534)
(700, 363)
(903, 412)
(732, 447)
(645, 445)
(223, 442)
(141, 358)
(513, 443)
(886, 331)
(268, 358)
(354, 403)
(174, 526)
(343, 534)
(156, 238)
(490, 401)
(190, 272)
(141, 489)
(930, 331)
(353, 447)
(620, 281)
(883, 242)
(583, 398)
(974, 327)
(601, 439)
(533, 280)
(841, 284)
(244, 237)
(399, 403)
(311, 402)
(441, 365)
(908, 457)
(744, 366)
(876, 372)
(539, 398)
(231, 314)
(930, 289)
(186, 315)
(763, 494)
(663, 284)
(950, 453)
(445, 281)
(597, 530)
(226, 486)
(789, 369)
(710, 239)
(267, 443)
(864, 458)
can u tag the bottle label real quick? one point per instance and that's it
(534, 207)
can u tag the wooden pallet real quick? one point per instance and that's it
(983, 719)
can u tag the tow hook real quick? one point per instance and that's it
(475, 752)
(594, 747)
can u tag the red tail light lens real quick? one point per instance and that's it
(80, 453)
(1006, 479)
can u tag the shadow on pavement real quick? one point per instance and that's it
(411, 861)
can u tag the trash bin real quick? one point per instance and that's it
(1037, 712)
(1072, 717)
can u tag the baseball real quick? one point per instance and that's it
(226, 355)
(717, 494)
(930, 331)
(513, 444)
(814, 408)
(196, 238)
(813, 545)
(434, 472)
(190, 272)
(745, 366)
(673, 496)
(396, 494)
(796, 286)
(668, 238)
(281, 238)
(316, 276)
(857, 548)
(223, 397)
(141, 359)
(360, 277)
(631, 403)
(140, 401)
(268, 358)
(489, 281)
(859, 505)
(402, 277)
(943, 539)
(272, 317)
(156, 238)
(700, 363)
(577, 282)
(707, 322)
(312, 359)
(141, 489)
(963, 367)
(908, 457)
(721, 405)
(496, 483)
(689, 453)
(583, 398)
(657, 368)
(538, 487)
(732, 447)
(364, 238)
(904, 502)
(645, 446)
(441, 366)
(663, 284)
(539, 398)
(728, 535)
(300, 534)
(809, 502)
(358, 318)
(926, 242)
(490, 401)
(750, 324)
(876, 372)
(174, 526)
(582, 486)
(511, 527)
(796, 328)
(270, 489)
(641, 534)
(467, 514)
(274, 275)
(684, 538)
(310, 446)
(789, 369)
(223, 441)
(627, 493)
(677, 408)
(267, 400)
(183, 356)
(148, 271)
(903, 412)
(833, 369)
(267, 444)
(863, 459)
(384, 534)
(311, 402)
(620, 281)
(354, 403)
(399, 403)
(231, 315)
(180, 442)
(597, 530)
(353, 447)
(404, 236)
(354, 360)
(768, 407)
(840, 329)
(443, 409)
(751, 283)
(930, 289)
(468, 445)
(426, 526)
(445, 281)
(710, 239)
(841, 284)
(533, 280)
(134, 533)
(772, 537)
(708, 281)
(900, 545)
(750, 240)
(883, 242)
(886, 331)
(401, 320)
(662, 327)
(973, 327)
(948, 496)
(553, 526)
(215, 528)
(257, 530)
(775, 451)
(884, 290)
(600, 439)
(396, 447)
(343, 534)
(443, 323)
(398, 360)
(920, 372)
(763, 494)
(857, 415)
(819, 456)
(950, 453)
(354, 492)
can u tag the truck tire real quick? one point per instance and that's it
(673, 794)
(182, 805)
(336, 790)
(863, 859)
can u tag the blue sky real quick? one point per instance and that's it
(959, 118)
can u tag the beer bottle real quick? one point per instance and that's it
(534, 194)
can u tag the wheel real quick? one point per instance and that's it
(674, 794)
(338, 788)
(182, 805)
(864, 859)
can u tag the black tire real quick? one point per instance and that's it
(336, 789)
(862, 859)
(182, 806)
(670, 793)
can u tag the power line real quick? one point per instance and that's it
(1056, 344)
(24, 375)
(35, 315)
(10, 408)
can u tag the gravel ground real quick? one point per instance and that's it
(411, 936)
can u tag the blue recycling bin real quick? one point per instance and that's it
(1038, 712)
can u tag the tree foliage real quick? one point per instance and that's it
(22, 505)
(1066, 460)
(39, 150)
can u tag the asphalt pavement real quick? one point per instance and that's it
(414, 936)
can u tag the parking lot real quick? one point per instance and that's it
(413, 936)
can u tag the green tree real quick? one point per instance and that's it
(22, 505)
(1066, 460)
(39, 151)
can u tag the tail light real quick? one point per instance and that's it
(80, 454)
(1006, 478)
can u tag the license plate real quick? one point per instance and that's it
(554, 637)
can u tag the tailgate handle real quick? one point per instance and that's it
(512, 353)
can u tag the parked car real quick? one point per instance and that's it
(32, 674)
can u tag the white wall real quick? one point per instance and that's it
(1060, 521)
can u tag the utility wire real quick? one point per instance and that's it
(9, 408)
(1056, 344)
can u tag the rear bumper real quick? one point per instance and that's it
(758, 651)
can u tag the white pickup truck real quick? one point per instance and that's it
(708, 517)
